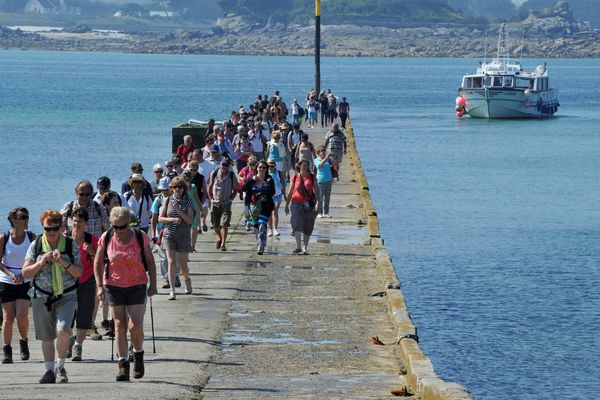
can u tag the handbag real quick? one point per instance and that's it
(334, 171)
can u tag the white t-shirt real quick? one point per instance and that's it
(14, 258)
(141, 209)
(207, 167)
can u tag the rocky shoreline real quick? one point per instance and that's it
(337, 40)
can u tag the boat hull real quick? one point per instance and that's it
(509, 103)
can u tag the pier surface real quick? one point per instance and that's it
(265, 327)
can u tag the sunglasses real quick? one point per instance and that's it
(178, 187)
(194, 170)
(120, 227)
(261, 167)
(86, 194)
(169, 165)
(159, 170)
(51, 228)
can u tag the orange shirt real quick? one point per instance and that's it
(298, 196)
(126, 267)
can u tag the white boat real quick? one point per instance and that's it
(502, 89)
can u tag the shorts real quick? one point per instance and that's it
(277, 198)
(126, 296)
(59, 318)
(312, 115)
(86, 299)
(220, 215)
(10, 292)
(179, 241)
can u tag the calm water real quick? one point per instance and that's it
(494, 226)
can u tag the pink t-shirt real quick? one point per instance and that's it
(87, 261)
(126, 268)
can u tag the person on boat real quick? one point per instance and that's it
(260, 189)
(325, 164)
(186, 148)
(87, 245)
(303, 194)
(335, 142)
(125, 277)
(177, 214)
(13, 287)
(222, 189)
(54, 264)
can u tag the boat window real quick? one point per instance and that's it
(508, 81)
(467, 83)
(488, 81)
(522, 83)
(497, 81)
(477, 82)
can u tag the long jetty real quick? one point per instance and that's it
(329, 325)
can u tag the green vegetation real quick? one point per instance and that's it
(583, 10)
(492, 10)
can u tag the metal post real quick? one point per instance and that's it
(318, 46)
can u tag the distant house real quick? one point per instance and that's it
(53, 7)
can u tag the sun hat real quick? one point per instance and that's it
(157, 167)
(163, 183)
(135, 178)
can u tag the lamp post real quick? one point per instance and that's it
(318, 46)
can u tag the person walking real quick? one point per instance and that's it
(344, 111)
(304, 195)
(87, 244)
(177, 213)
(222, 189)
(98, 221)
(305, 151)
(129, 267)
(53, 263)
(335, 142)
(278, 197)
(139, 201)
(13, 287)
(325, 165)
(260, 189)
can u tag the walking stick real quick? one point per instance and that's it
(152, 323)
(112, 347)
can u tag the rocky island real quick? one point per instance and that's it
(551, 32)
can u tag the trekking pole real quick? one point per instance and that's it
(112, 347)
(152, 323)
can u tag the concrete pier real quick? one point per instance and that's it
(272, 326)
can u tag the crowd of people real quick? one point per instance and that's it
(95, 253)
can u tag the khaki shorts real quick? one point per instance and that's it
(220, 215)
(59, 318)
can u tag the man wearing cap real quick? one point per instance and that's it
(136, 168)
(139, 201)
(155, 229)
(103, 186)
(222, 189)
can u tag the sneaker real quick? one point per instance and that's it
(70, 347)
(177, 281)
(320, 216)
(297, 251)
(275, 232)
(7, 357)
(188, 288)
(172, 295)
(93, 334)
(104, 327)
(138, 365)
(218, 245)
(23, 343)
(205, 228)
(269, 232)
(61, 375)
(77, 350)
(327, 216)
(223, 248)
(123, 374)
(49, 377)
(166, 285)
(260, 252)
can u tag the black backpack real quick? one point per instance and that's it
(30, 235)
(140, 241)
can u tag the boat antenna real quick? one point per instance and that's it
(522, 41)
(485, 46)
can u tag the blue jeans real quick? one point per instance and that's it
(324, 196)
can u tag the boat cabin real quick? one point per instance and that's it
(518, 82)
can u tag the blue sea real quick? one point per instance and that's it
(494, 226)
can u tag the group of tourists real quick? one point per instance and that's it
(96, 252)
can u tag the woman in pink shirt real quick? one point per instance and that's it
(125, 282)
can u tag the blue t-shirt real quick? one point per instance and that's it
(155, 209)
(324, 173)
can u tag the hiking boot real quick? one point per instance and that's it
(23, 343)
(188, 286)
(7, 357)
(61, 375)
(93, 334)
(177, 281)
(131, 353)
(166, 285)
(205, 227)
(123, 374)
(77, 350)
(138, 365)
(70, 347)
(49, 377)
(104, 327)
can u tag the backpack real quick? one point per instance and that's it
(140, 241)
(148, 205)
(30, 235)
(255, 206)
(70, 212)
(37, 250)
(214, 174)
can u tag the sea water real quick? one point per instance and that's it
(494, 226)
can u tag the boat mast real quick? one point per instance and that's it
(503, 45)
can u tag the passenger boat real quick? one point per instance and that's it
(502, 89)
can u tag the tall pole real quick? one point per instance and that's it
(318, 46)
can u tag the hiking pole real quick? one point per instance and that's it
(152, 323)
(112, 347)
